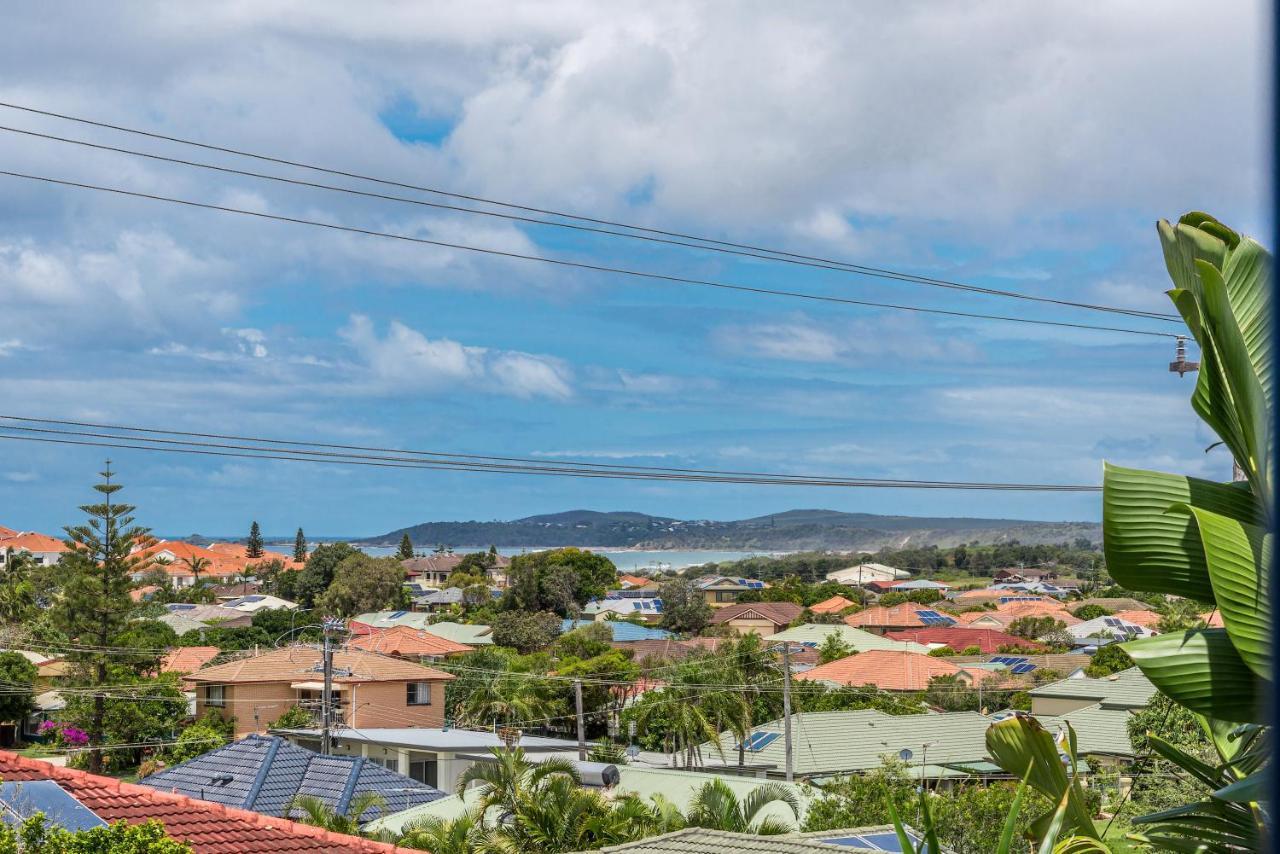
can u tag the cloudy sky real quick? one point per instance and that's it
(1027, 147)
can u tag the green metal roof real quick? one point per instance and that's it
(1128, 689)
(828, 743)
(857, 639)
(699, 840)
(1098, 730)
(473, 635)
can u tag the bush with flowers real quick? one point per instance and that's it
(63, 735)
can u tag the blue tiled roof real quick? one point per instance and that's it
(622, 631)
(264, 772)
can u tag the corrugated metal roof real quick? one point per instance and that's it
(622, 630)
(1128, 689)
(856, 639)
(1098, 730)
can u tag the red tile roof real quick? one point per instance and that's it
(904, 615)
(629, 581)
(1146, 619)
(32, 542)
(6, 532)
(239, 554)
(1213, 619)
(299, 663)
(207, 827)
(188, 659)
(834, 605)
(890, 670)
(406, 640)
(778, 613)
(959, 638)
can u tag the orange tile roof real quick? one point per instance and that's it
(1213, 619)
(1146, 619)
(188, 659)
(634, 581)
(1003, 619)
(219, 564)
(834, 605)
(895, 615)
(137, 594)
(7, 532)
(32, 542)
(406, 640)
(239, 553)
(207, 827)
(299, 663)
(890, 670)
(1041, 607)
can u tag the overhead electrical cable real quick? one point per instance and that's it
(279, 450)
(838, 266)
(580, 265)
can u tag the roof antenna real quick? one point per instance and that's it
(1180, 365)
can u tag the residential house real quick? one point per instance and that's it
(410, 644)
(179, 561)
(907, 615)
(762, 618)
(188, 659)
(264, 773)
(372, 690)
(949, 745)
(43, 550)
(700, 840)
(863, 573)
(49, 667)
(636, 582)
(434, 569)
(621, 630)
(814, 635)
(834, 605)
(1104, 630)
(1019, 574)
(921, 584)
(1128, 690)
(722, 590)
(615, 606)
(211, 615)
(431, 755)
(179, 623)
(1010, 612)
(1058, 590)
(376, 621)
(1144, 617)
(7, 532)
(995, 596)
(208, 828)
(1067, 665)
(48, 706)
(256, 602)
(1112, 604)
(959, 638)
(238, 553)
(890, 670)
(651, 652)
(1102, 734)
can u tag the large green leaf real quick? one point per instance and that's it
(1238, 555)
(1247, 274)
(1147, 547)
(1251, 789)
(1024, 748)
(1183, 244)
(1201, 670)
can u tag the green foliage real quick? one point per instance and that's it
(1107, 660)
(1032, 628)
(584, 642)
(609, 752)
(559, 580)
(309, 809)
(405, 551)
(1024, 748)
(315, 578)
(362, 583)
(18, 595)
(253, 546)
(137, 711)
(971, 650)
(950, 694)
(295, 717)
(833, 648)
(37, 836)
(95, 604)
(714, 805)
(300, 546)
(526, 631)
(942, 652)
(612, 665)
(150, 640)
(1091, 612)
(684, 608)
(196, 740)
(18, 676)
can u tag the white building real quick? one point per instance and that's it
(865, 573)
(45, 551)
(1107, 629)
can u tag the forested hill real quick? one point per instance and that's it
(792, 530)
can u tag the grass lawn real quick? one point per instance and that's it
(38, 751)
(1118, 844)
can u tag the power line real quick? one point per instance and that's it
(295, 454)
(581, 265)
(838, 266)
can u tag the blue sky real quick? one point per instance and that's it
(1028, 148)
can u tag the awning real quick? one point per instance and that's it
(317, 686)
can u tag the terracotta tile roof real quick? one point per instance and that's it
(1146, 619)
(7, 532)
(298, 663)
(219, 565)
(137, 594)
(406, 640)
(239, 553)
(904, 615)
(1118, 603)
(778, 613)
(960, 637)
(1042, 607)
(890, 670)
(1003, 618)
(207, 827)
(634, 581)
(834, 605)
(32, 542)
(188, 659)
(1213, 619)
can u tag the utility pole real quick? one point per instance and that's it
(326, 696)
(582, 725)
(786, 706)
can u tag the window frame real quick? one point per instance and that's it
(221, 701)
(413, 693)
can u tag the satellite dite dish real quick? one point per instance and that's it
(905, 754)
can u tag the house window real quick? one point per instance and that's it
(215, 695)
(726, 595)
(418, 693)
(424, 771)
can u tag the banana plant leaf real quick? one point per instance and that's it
(1149, 548)
(1200, 669)
(1081, 845)
(1238, 556)
(1024, 748)
(1251, 789)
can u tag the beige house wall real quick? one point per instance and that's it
(385, 704)
(254, 705)
(1058, 705)
(763, 628)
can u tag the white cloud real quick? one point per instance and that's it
(606, 455)
(407, 359)
(803, 339)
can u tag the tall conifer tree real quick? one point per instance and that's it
(95, 604)
(254, 544)
(406, 548)
(300, 547)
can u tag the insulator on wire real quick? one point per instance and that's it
(1180, 365)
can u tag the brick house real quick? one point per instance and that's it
(762, 618)
(370, 690)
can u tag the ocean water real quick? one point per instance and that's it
(626, 560)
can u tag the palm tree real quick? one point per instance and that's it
(512, 777)
(688, 726)
(17, 593)
(502, 700)
(465, 834)
(197, 565)
(715, 806)
(316, 812)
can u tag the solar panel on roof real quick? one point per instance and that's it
(253, 598)
(879, 841)
(395, 615)
(23, 800)
(1112, 621)
(1023, 668)
(759, 740)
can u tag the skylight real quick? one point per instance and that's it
(878, 841)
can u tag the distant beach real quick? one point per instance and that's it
(627, 560)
